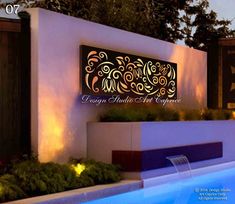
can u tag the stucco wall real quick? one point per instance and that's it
(58, 118)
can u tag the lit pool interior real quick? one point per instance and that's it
(214, 188)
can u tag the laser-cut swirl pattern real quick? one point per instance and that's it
(124, 74)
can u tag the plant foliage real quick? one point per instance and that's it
(160, 113)
(43, 178)
(9, 190)
(31, 178)
(100, 173)
(172, 20)
(139, 113)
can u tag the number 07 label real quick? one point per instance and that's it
(12, 9)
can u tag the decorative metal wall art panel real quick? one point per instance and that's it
(106, 73)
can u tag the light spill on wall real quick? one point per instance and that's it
(53, 125)
(200, 93)
(191, 77)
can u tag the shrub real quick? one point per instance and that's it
(96, 172)
(160, 113)
(139, 113)
(166, 114)
(32, 178)
(127, 114)
(216, 114)
(191, 115)
(9, 190)
(100, 172)
(43, 178)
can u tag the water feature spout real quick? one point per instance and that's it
(181, 164)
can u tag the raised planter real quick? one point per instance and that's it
(104, 138)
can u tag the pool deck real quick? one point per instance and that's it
(84, 194)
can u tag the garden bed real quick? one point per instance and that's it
(29, 178)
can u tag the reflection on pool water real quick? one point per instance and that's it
(217, 188)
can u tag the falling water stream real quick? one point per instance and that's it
(181, 164)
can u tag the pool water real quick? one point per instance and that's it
(214, 188)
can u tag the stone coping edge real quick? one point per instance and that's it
(83, 194)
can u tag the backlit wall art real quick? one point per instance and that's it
(107, 73)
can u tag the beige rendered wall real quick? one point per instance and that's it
(58, 118)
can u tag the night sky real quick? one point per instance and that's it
(225, 9)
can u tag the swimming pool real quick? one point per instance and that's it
(217, 188)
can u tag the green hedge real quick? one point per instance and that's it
(160, 113)
(100, 172)
(42, 178)
(32, 178)
(9, 190)
(139, 113)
